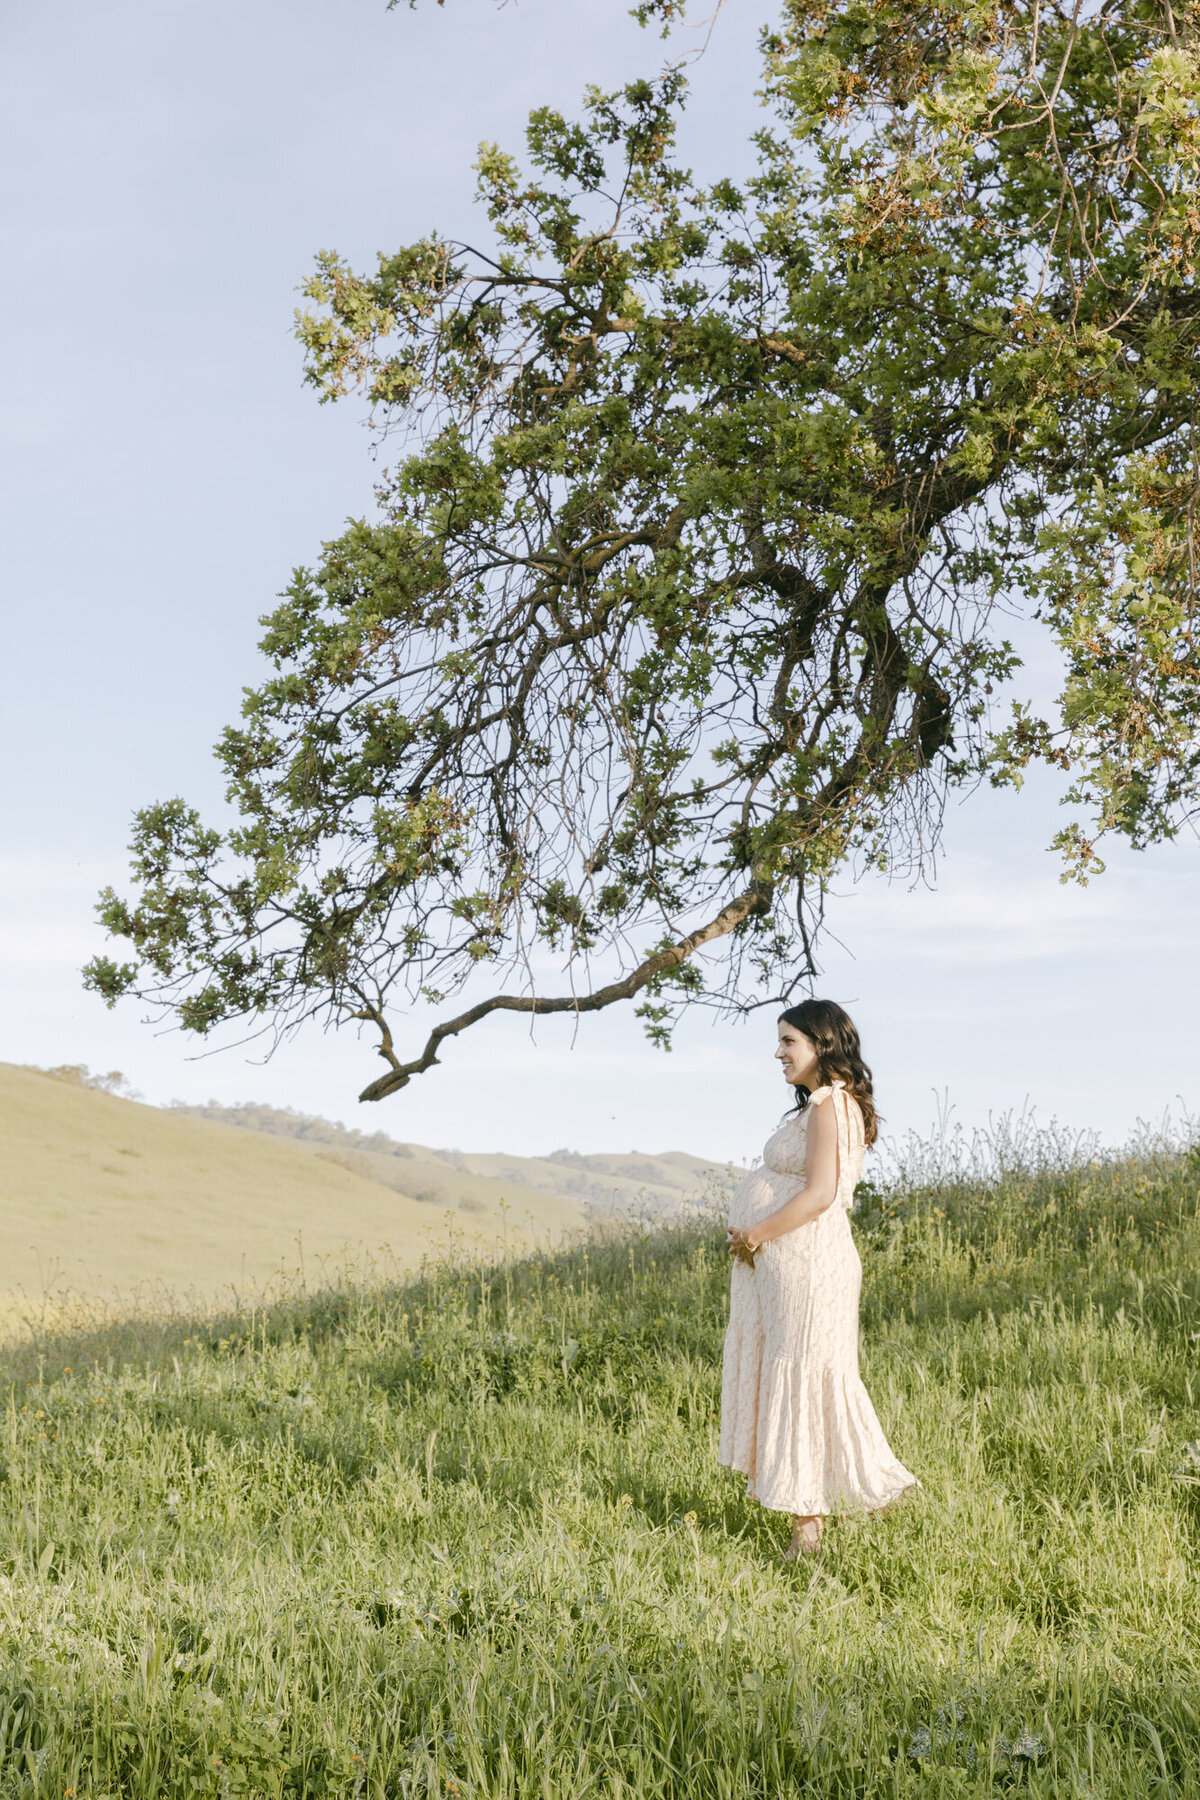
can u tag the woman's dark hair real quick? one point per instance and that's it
(834, 1036)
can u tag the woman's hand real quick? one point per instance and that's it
(742, 1246)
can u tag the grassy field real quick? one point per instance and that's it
(466, 1537)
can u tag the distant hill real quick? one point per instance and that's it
(101, 1195)
(604, 1185)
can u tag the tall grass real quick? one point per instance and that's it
(467, 1536)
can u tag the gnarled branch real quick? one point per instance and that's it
(756, 898)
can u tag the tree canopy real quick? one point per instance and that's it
(687, 585)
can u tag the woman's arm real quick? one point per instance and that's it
(815, 1197)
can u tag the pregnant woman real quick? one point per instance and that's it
(796, 1419)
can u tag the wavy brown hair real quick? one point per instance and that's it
(834, 1035)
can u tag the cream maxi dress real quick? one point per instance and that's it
(796, 1419)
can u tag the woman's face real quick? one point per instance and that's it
(798, 1055)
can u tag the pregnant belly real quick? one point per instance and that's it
(761, 1194)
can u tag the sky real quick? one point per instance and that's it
(168, 169)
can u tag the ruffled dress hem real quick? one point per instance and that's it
(811, 1423)
(807, 1507)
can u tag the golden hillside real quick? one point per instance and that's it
(607, 1185)
(106, 1198)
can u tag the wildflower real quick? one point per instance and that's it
(947, 1732)
(1026, 1748)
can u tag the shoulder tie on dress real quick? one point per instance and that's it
(845, 1186)
(823, 1093)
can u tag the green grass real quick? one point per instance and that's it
(467, 1537)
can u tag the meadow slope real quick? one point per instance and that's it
(106, 1198)
(466, 1537)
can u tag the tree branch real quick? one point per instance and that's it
(755, 899)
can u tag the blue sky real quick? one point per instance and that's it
(168, 170)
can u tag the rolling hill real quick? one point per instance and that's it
(105, 1198)
(603, 1185)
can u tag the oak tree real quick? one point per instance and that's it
(686, 585)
